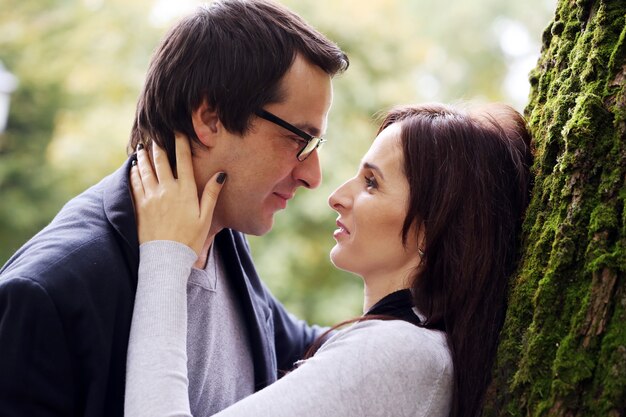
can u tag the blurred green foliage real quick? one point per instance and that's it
(81, 65)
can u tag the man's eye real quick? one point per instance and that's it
(300, 141)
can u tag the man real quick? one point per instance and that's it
(249, 83)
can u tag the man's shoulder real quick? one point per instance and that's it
(87, 274)
(63, 260)
(80, 240)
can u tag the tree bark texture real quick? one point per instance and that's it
(563, 348)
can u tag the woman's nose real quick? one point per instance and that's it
(340, 197)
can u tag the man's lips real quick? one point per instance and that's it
(284, 196)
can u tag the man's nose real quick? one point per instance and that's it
(308, 173)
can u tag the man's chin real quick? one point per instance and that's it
(261, 230)
(256, 229)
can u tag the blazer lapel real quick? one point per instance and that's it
(120, 211)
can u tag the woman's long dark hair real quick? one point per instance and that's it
(469, 178)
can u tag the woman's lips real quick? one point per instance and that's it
(341, 231)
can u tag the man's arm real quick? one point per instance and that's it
(292, 336)
(35, 376)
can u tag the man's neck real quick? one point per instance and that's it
(204, 253)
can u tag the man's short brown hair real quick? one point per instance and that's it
(233, 53)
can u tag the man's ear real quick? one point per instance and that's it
(206, 124)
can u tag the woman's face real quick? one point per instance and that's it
(372, 207)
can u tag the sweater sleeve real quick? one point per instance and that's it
(156, 368)
(372, 369)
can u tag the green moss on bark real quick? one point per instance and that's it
(563, 347)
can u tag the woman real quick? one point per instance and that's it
(431, 223)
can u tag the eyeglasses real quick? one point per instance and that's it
(312, 142)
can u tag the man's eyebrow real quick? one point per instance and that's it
(369, 165)
(310, 129)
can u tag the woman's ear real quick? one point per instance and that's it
(421, 240)
(206, 124)
(422, 237)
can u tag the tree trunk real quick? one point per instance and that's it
(563, 348)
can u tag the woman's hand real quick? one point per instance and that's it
(168, 208)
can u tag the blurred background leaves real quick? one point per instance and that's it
(81, 64)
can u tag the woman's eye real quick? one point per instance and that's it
(370, 182)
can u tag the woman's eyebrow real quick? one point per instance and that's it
(369, 165)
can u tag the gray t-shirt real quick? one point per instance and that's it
(219, 359)
(373, 368)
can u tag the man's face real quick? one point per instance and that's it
(262, 168)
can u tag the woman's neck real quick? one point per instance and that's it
(377, 286)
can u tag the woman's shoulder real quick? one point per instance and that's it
(381, 354)
(397, 343)
(375, 332)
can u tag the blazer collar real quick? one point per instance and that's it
(120, 211)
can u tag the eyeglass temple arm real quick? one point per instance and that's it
(269, 116)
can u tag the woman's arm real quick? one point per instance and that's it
(156, 365)
(374, 368)
(173, 227)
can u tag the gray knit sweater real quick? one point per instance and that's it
(373, 368)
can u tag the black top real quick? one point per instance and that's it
(398, 304)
